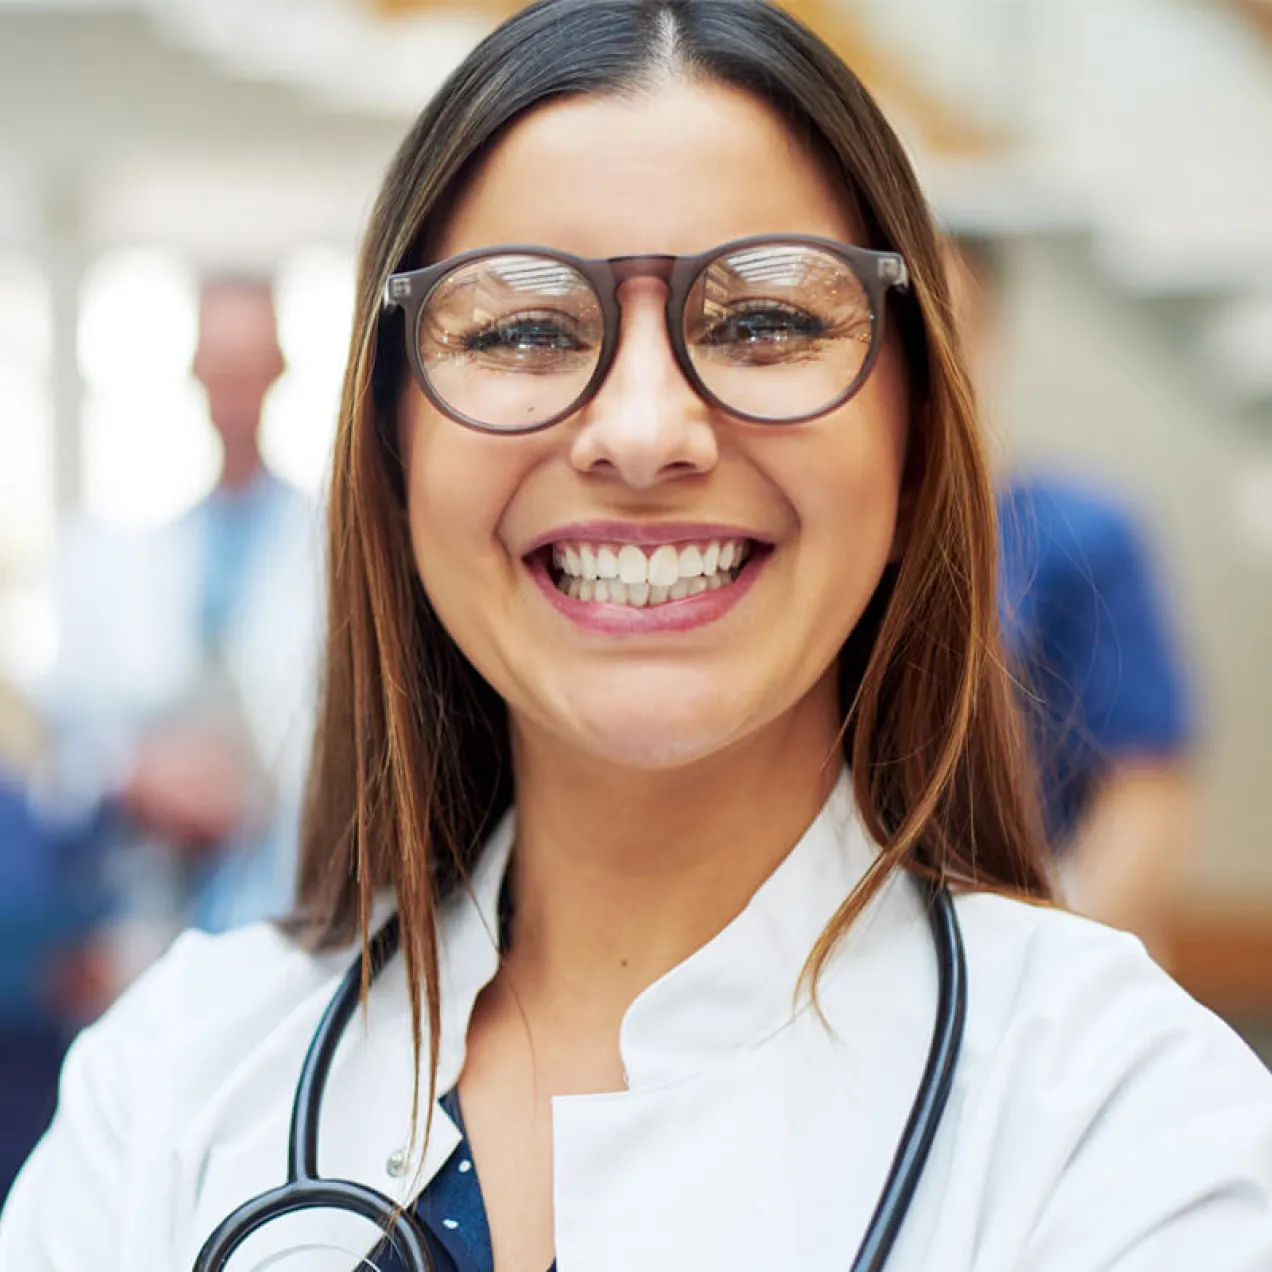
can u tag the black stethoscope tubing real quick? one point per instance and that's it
(933, 1092)
(306, 1190)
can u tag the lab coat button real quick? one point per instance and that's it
(395, 1167)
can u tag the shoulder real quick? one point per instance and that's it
(1057, 975)
(239, 982)
(198, 1014)
(138, 1084)
(1103, 1098)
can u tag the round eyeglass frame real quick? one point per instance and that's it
(878, 273)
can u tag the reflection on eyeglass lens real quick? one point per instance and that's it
(778, 331)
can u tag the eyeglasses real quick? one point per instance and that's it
(770, 330)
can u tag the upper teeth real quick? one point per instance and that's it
(663, 566)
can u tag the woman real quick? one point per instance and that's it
(693, 558)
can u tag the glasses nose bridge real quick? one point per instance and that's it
(624, 268)
(661, 268)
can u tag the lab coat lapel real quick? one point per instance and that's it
(364, 1129)
(366, 1133)
(365, 1122)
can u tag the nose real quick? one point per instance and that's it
(646, 426)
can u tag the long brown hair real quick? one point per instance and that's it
(412, 761)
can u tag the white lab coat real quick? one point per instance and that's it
(129, 653)
(1100, 1119)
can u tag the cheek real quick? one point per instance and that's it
(845, 481)
(459, 484)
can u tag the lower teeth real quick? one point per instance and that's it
(640, 595)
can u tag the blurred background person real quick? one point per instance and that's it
(164, 788)
(1104, 688)
(179, 698)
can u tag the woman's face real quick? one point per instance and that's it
(647, 465)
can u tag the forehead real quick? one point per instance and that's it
(676, 170)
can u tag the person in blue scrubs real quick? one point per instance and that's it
(1105, 685)
(1083, 613)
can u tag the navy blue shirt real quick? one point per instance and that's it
(1088, 632)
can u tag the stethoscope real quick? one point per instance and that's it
(305, 1189)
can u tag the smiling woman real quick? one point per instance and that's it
(664, 727)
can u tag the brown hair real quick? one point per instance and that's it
(412, 760)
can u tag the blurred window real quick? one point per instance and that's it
(27, 491)
(148, 450)
(314, 291)
(26, 422)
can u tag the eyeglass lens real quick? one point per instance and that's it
(774, 331)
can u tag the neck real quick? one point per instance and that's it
(619, 874)
(240, 465)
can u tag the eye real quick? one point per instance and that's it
(761, 332)
(761, 321)
(524, 333)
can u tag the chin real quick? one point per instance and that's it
(652, 735)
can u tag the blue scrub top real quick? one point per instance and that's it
(1088, 632)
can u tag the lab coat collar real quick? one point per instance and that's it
(380, 1150)
(738, 990)
(734, 992)
(744, 985)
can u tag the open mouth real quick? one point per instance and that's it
(646, 576)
